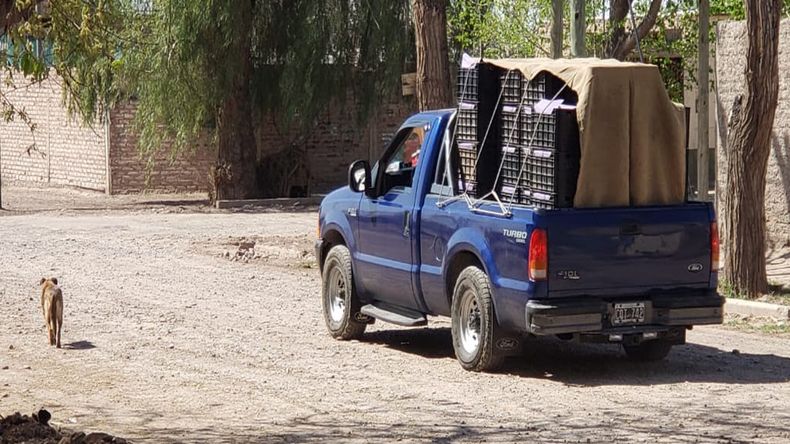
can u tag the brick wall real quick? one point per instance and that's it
(68, 154)
(338, 138)
(730, 60)
(61, 151)
(131, 172)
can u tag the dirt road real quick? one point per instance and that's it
(171, 336)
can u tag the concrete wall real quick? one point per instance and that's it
(61, 151)
(730, 61)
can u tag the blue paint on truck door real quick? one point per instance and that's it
(385, 259)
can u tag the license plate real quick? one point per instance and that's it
(629, 313)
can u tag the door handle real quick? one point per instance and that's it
(405, 224)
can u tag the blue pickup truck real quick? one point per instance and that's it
(398, 244)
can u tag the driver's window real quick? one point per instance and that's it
(402, 161)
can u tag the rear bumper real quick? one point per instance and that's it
(585, 315)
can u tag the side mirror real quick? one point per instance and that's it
(359, 176)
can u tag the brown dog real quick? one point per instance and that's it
(52, 305)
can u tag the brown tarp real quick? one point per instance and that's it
(632, 135)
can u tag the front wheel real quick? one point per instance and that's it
(473, 322)
(339, 299)
(654, 350)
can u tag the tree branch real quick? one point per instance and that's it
(642, 29)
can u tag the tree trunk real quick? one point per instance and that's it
(433, 64)
(748, 150)
(233, 177)
(578, 28)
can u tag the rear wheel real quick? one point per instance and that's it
(473, 322)
(655, 350)
(339, 299)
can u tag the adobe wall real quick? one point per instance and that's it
(730, 61)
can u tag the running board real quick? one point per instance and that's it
(394, 315)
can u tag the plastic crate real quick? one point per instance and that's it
(467, 152)
(547, 86)
(556, 131)
(519, 195)
(512, 158)
(467, 122)
(551, 172)
(548, 201)
(511, 127)
(552, 178)
(468, 84)
(541, 130)
(512, 87)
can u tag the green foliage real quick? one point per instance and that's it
(501, 28)
(311, 52)
(520, 28)
(179, 58)
(86, 36)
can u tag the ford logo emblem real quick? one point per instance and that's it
(507, 344)
(695, 268)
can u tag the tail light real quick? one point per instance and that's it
(538, 255)
(714, 247)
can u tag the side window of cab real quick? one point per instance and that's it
(401, 160)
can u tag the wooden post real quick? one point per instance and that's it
(703, 64)
(578, 28)
(556, 29)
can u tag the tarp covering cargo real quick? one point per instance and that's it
(632, 135)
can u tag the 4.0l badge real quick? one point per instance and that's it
(571, 275)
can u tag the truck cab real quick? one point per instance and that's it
(402, 241)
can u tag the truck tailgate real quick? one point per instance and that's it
(638, 249)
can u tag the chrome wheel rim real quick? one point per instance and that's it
(470, 322)
(337, 295)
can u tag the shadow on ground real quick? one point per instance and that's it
(706, 423)
(602, 364)
(79, 345)
(174, 203)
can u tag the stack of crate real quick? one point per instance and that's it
(513, 116)
(552, 140)
(478, 87)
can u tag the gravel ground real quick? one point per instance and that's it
(206, 327)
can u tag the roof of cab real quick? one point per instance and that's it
(429, 115)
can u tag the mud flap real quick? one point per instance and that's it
(507, 343)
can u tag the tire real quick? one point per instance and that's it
(473, 322)
(339, 297)
(649, 351)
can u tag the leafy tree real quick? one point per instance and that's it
(501, 28)
(206, 69)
